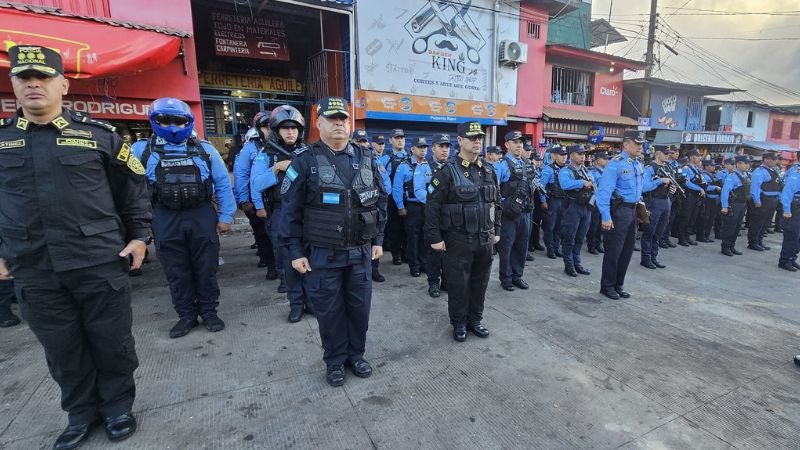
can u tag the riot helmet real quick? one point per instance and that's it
(171, 119)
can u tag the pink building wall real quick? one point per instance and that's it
(603, 101)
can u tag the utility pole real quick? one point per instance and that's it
(649, 58)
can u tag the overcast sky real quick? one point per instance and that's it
(775, 61)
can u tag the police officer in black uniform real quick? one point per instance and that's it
(462, 219)
(334, 213)
(66, 239)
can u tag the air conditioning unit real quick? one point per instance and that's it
(513, 53)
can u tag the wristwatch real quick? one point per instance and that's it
(146, 239)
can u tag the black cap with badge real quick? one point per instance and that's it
(600, 154)
(360, 135)
(635, 136)
(470, 129)
(379, 139)
(420, 142)
(440, 139)
(397, 132)
(333, 106)
(35, 58)
(494, 149)
(513, 135)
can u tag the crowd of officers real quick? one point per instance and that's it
(322, 215)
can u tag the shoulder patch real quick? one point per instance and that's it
(7, 121)
(124, 153)
(285, 185)
(135, 166)
(300, 150)
(291, 173)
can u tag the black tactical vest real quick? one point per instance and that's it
(272, 196)
(662, 191)
(394, 163)
(517, 191)
(742, 193)
(470, 206)
(341, 216)
(580, 196)
(554, 189)
(178, 184)
(408, 186)
(774, 184)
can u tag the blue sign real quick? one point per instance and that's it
(669, 109)
(644, 121)
(596, 134)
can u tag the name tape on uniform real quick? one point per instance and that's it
(74, 142)
(12, 144)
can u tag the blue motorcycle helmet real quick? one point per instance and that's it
(171, 119)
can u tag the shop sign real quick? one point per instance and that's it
(669, 110)
(245, 36)
(694, 137)
(118, 109)
(436, 49)
(388, 106)
(250, 82)
(610, 91)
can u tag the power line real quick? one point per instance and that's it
(679, 8)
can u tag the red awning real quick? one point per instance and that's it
(90, 48)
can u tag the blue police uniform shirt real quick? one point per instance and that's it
(712, 191)
(262, 177)
(760, 175)
(568, 181)
(731, 182)
(422, 178)
(623, 175)
(721, 175)
(690, 172)
(596, 173)
(791, 188)
(650, 182)
(383, 159)
(404, 174)
(221, 182)
(547, 177)
(242, 167)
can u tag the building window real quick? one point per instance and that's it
(750, 119)
(795, 131)
(533, 30)
(572, 87)
(777, 129)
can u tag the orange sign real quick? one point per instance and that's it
(389, 106)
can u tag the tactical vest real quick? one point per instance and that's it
(662, 191)
(742, 193)
(179, 184)
(272, 196)
(517, 190)
(554, 189)
(341, 216)
(469, 207)
(394, 163)
(580, 196)
(774, 184)
(697, 177)
(408, 186)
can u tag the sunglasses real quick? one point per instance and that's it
(168, 119)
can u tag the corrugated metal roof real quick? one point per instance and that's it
(584, 116)
(112, 22)
(769, 146)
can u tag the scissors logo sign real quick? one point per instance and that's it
(447, 33)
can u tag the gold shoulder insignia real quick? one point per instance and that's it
(124, 153)
(60, 122)
(465, 163)
(135, 166)
(22, 123)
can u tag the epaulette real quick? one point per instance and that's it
(78, 117)
(6, 122)
(300, 150)
(618, 158)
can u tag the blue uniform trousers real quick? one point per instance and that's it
(791, 236)
(710, 215)
(574, 224)
(732, 224)
(594, 236)
(283, 263)
(656, 230)
(415, 240)
(551, 223)
(618, 244)
(513, 246)
(761, 218)
(187, 245)
(394, 233)
(339, 290)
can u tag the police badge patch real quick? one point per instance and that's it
(287, 183)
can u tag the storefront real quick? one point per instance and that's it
(116, 67)
(711, 143)
(254, 58)
(380, 112)
(568, 127)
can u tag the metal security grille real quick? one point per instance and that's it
(533, 30)
(572, 87)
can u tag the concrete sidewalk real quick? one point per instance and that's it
(699, 357)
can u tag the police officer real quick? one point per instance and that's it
(395, 233)
(711, 205)
(409, 207)
(382, 158)
(242, 168)
(790, 200)
(361, 138)
(423, 174)
(656, 190)
(618, 193)
(735, 192)
(537, 214)
(552, 201)
(379, 147)
(675, 164)
(461, 220)
(594, 237)
(693, 203)
(579, 189)
(185, 174)
(514, 174)
(63, 241)
(765, 191)
(286, 126)
(493, 154)
(334, 215)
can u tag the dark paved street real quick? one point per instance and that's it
(699, 357)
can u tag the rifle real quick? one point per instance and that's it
(279, 149)
(662, 171)
(588, 177)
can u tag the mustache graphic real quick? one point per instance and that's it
(444, 43)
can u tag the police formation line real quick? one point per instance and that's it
(322, 215)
